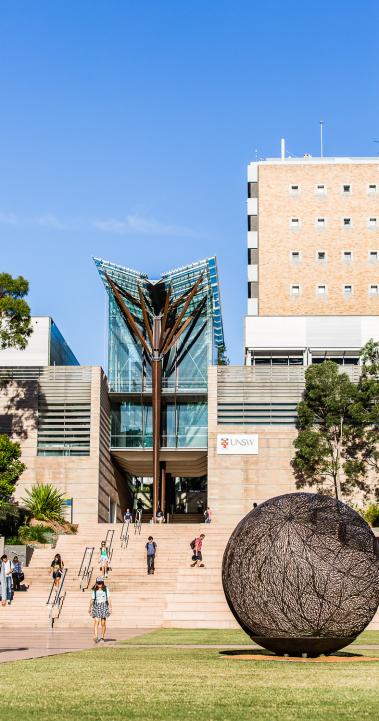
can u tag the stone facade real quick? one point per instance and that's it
(235, 482)
(91, 480)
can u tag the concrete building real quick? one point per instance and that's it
(313, 293)
(313, 259)
(60, 415)
(97, 438)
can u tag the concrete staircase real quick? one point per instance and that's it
(175, 596)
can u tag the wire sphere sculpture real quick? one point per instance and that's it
(301, 574)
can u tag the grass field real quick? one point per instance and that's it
(172, 636)
(170, 684)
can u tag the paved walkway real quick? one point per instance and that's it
(27, 643)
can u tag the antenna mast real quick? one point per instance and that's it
(321, 138)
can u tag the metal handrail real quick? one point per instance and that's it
(124, 535)
(85, 570)
(138, 521)
(108, 545)
(58, 598)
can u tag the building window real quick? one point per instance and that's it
(320, 222)
(252, 190)
(321, 290)
(372, 222)
(373, 256)
(347, 256)
(346, 188)
(348, 290)
(373, 289)
(372, 189)
(295, 223)
(321, 256)
(320, 189)
(346, 222)
(295, 290)
(295, 256)
(294, 189)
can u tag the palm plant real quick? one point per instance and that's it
(45, 503)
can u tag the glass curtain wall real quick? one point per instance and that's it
(184, 425)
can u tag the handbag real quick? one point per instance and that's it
(21, 576)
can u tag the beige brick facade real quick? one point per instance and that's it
(278, 205)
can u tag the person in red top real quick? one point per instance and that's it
(197, 553)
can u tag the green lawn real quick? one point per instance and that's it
(172, 636)
(156, 684)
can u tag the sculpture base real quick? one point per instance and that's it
(312, 646)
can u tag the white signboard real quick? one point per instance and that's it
(237, 443)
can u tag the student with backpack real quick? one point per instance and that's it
(196, 546)
(151, 550)
(100, 608)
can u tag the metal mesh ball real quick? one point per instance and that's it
(301, 574)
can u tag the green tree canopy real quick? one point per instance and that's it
(324, 423)
(363, 449)
(222, 358)
(15, 324)
(10, 468)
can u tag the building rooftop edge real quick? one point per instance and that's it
(315, 159)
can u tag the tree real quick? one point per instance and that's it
(10, 469)
(222, 358)
(328, 418)
(15, 323)
(363, 449)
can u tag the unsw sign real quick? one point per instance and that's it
(237, 443)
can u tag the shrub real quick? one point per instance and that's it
(371, 514)
(45, 503)
(39, 534)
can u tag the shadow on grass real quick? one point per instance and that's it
(261, 654)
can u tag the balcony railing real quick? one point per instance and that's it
(196, 438)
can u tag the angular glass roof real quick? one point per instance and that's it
(179, 280)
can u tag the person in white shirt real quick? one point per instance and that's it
(6, 579)
(100, 608)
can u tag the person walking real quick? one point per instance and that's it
(6, 579)
(100, 608)
(127, 516)
(56, 569)
(104, 559)
(151, 550)
(17, 574)
(208, 513)
(160, 515)
(197, 545)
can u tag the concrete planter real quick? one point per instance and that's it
(24, 553)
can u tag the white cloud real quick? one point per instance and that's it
(51, 221)
(44, 221)
(142, 225)
(131, 224)
(10, 219)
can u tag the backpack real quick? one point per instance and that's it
(193, 543)
(106, 596)
(151, 547)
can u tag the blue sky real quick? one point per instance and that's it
(126, 127)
